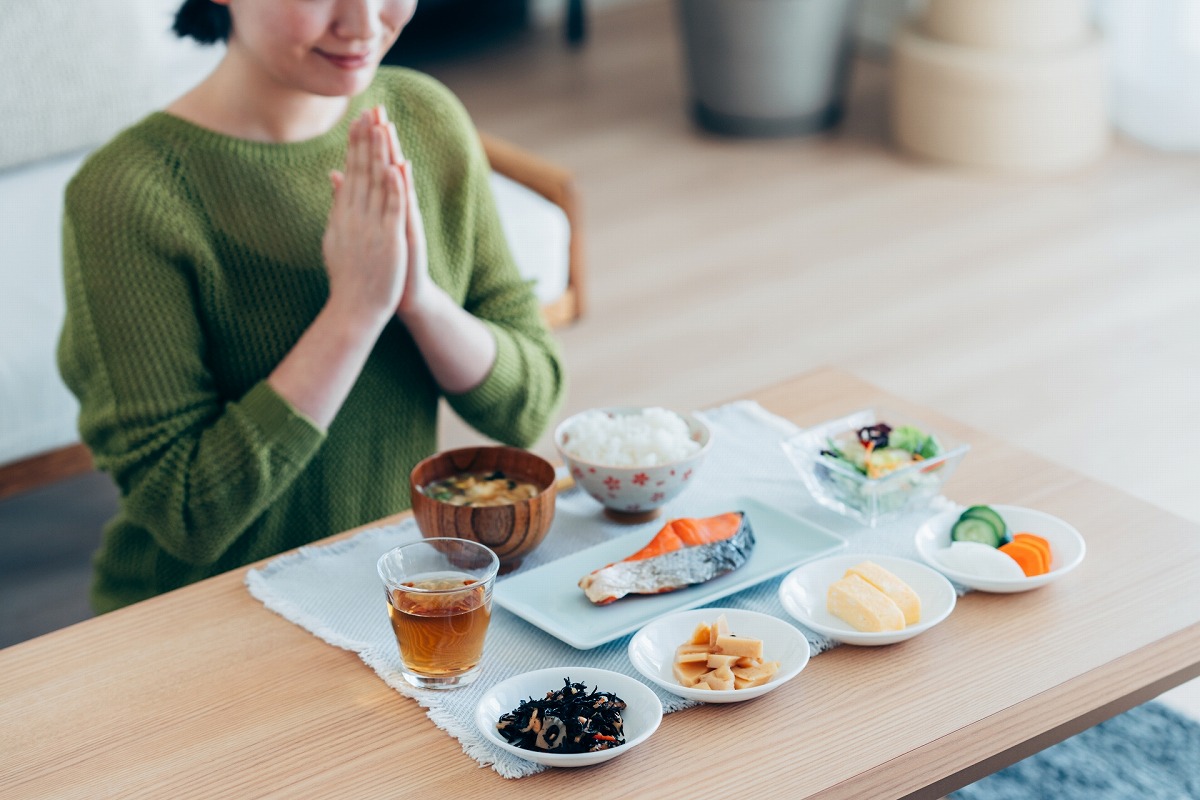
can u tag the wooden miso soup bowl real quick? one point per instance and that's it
(512, 531)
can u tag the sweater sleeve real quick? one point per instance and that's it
(194, 468)
(520, 395)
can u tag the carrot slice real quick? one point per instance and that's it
(1043, 561)
(1037, 541)
(1027, 556)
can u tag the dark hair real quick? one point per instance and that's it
(203, 20)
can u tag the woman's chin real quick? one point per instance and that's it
(344, 84)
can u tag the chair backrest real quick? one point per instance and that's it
(556, 185)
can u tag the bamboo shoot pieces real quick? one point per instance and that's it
(716, 659)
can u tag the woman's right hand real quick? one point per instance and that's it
(365, 244)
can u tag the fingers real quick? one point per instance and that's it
(410, 191)
(395, 200)
(336, 180)
(358, 155)
(377, 166)
(413, 230)
(405, 171)
(396, 153)
(377, 182)
(367, 161)
(380, 116)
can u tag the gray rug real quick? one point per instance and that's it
(1147, 753)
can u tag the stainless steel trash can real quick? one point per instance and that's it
(767, 67)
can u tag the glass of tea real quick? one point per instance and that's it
(439, 594)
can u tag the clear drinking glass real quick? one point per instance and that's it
(439, 595)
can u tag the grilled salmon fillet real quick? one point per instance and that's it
(685, 552)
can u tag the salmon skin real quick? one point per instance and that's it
(683, 553)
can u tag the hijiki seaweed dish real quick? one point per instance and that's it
(569, 720)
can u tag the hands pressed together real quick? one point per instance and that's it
(375, 255)
(374, 244)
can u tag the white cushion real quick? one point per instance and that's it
(538, 235)
(87, 69)
(38, 412)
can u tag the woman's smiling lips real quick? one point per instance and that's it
(352, 61)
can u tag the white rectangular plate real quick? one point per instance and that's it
(550, 598)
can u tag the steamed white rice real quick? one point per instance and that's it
(648, 438)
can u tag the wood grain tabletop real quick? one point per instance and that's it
(204, 693)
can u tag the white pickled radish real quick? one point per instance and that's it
(979, 560)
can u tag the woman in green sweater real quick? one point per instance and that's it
(271, 283)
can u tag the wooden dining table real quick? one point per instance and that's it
(205, 693)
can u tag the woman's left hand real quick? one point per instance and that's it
(458, 348)
(418, 285)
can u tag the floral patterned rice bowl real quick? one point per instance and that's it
(637, 490)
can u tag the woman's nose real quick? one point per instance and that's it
(357, 19)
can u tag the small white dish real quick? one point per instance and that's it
(804, 590)
(1067, 548)
(642, 714)
(652, 650)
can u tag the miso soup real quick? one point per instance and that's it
(480, 489)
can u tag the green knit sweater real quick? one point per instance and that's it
(193, 264)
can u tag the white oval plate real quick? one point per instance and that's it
(652, 649)
(642, 714)
(1067, 548)
(803, 596)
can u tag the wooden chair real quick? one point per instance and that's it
(548, 180)
(558, 186)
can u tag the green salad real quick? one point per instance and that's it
(879, 449)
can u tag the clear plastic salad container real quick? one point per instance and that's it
(877, 475)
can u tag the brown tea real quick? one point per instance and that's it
(440, 629)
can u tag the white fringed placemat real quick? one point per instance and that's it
(334, 591)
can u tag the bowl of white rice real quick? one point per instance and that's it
(633, 460)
